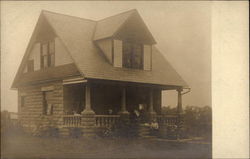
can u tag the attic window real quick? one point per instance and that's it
(132, 55)
(47, 54)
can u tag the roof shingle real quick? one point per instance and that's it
(77, 35)
(108, 26)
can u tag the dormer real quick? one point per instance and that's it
(125, 41)
(46, 50)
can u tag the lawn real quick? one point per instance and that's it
(41, 147)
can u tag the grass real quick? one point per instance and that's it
(40, 147)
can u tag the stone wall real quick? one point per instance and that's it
(31, 113)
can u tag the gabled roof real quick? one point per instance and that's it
(77, 35)
(110, 26)
(107, 27)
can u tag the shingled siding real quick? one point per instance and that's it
(31, 114)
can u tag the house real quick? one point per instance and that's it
(83, 73)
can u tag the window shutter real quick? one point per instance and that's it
(147, 57)
(117, 53)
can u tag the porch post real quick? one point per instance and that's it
(124, 127)
(88, 108)
(180, 115)
(123, 102)
(152, 113)
(179, 105)
(88, 115)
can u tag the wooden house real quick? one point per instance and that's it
(83, 73)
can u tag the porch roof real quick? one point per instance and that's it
(52, 73)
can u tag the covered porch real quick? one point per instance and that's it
(91, 104)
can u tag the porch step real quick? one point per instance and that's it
(143, 131)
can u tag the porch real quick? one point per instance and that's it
(111, 120)
(90, 105)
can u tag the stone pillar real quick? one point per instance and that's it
(152, 113)
(88, 115)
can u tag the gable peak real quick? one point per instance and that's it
(129, 12)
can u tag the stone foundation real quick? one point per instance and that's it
(30, 111)
(64, 132)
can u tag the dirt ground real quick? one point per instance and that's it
(40, 147)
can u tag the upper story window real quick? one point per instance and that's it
(30, 66)
(47, 54)
(132, 55)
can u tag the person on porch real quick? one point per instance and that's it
(134, 116)
(142, 113)
(110, 112)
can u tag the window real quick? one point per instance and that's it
(132, 55)
(47, 104)
(48, 54)
(51, 55)
(23, 101)
(30, 66)
(137, 56)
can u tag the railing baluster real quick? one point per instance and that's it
(106, 120)
(72, 120)
(167, 119)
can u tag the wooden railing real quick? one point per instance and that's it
(106, 120)
(101, 120)
(167, 119)
(72, 120)
(110, 120)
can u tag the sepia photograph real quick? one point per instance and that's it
(106, 79)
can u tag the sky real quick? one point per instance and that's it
(182, 31)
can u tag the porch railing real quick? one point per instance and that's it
(167, 119)
(106, 120)
(100, 120)
(72, 120)
(110, 120)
